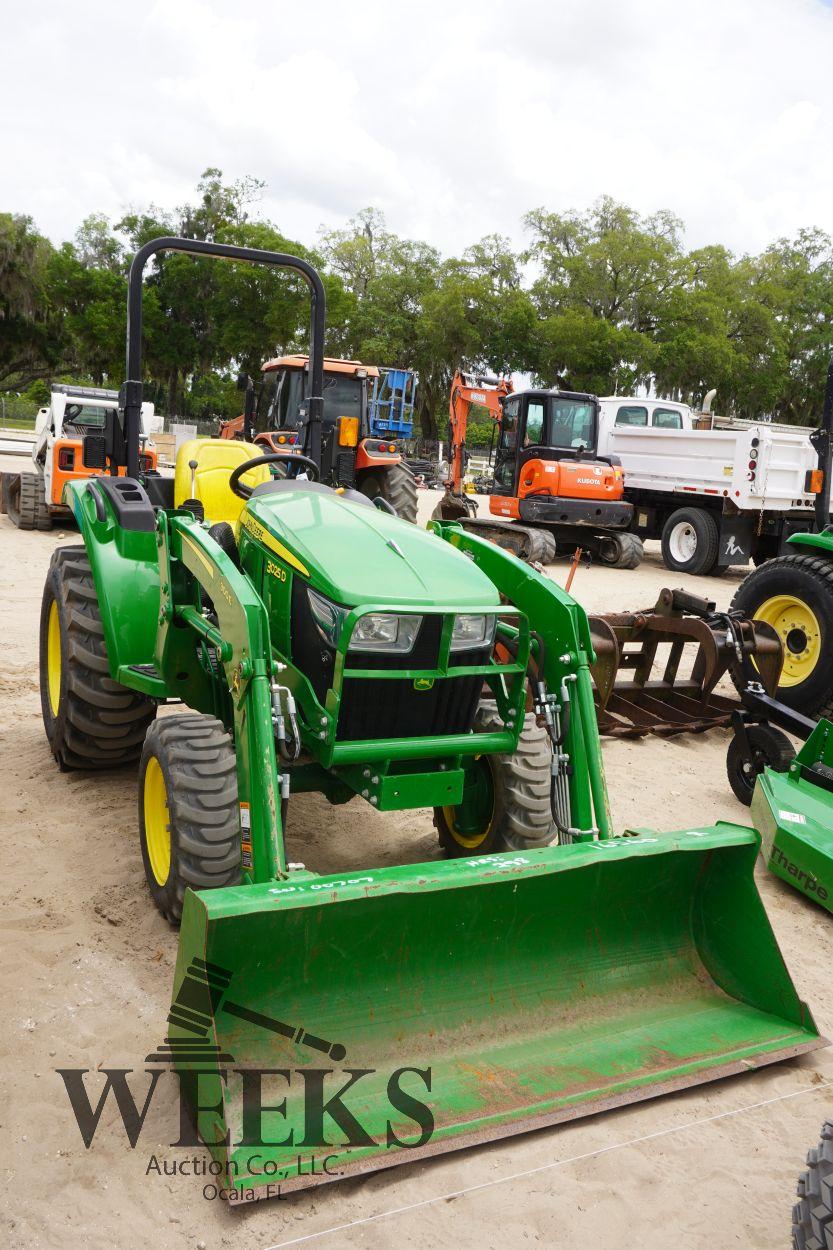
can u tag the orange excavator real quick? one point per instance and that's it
(551, 492)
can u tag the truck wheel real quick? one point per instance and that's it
(189, 818)
(794, 594)
(506, 798)
(770, 749)
(90, 720)
(812, 1225)
(621, 551)
(690, 539)
(397, 485)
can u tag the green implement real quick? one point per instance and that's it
(523, 990)
(541, 967)
(793, 811)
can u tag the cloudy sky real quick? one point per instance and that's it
(452, 117)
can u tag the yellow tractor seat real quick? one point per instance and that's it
(216, 461)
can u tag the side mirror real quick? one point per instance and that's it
(243, 381)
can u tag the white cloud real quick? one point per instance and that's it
(453, 118)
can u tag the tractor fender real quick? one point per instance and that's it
(125, 570)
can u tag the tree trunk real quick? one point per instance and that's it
(173, 392)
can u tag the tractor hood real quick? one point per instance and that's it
(357, 554)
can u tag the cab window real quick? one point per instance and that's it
(87, 415)
(342, 396)
(667, 419)
(505, 465)
(632, 415)
(509, 425)
(572, 424)
(534, 423)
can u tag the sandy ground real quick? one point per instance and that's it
(86, 978)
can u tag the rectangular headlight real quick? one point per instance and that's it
(472, 631)
(385, 631)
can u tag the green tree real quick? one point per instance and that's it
(29, 339)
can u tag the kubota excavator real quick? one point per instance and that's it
(551, 492)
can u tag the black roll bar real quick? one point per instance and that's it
(131, 393)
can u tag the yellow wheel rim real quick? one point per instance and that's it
(470, 823)
(53, 658)
(157, 822)
(798, 628)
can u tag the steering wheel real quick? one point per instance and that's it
(245, 492)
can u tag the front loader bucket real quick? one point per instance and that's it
(516, 991)
(793, 812)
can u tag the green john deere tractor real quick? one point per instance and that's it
(544, 969)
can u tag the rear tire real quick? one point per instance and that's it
(690, 539)
(91, 721)
(812, 1222)
(622, 551)
(506, 803)
(770, 749)
(397, 485)
(794, 594)
(189, 817)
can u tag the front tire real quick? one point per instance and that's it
(690, 541)
(794, 594)
(506, 798)
(91, 721)
(397, 485)
(189, 818)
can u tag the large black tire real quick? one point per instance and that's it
(622, 551)
(24, 501)
(690, 539)
(812, 1224)
(196, 814)
(520, 817)
(770, 749)
(806, 634)
(91, 721)
(397, 485)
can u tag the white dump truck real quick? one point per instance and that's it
(716, 492)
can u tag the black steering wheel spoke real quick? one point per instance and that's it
(273, 457)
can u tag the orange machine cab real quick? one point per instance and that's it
(546, 467)
(345, 409)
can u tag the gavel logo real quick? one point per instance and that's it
(201, 996)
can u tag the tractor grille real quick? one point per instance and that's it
(389, 707)
(394, 709)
